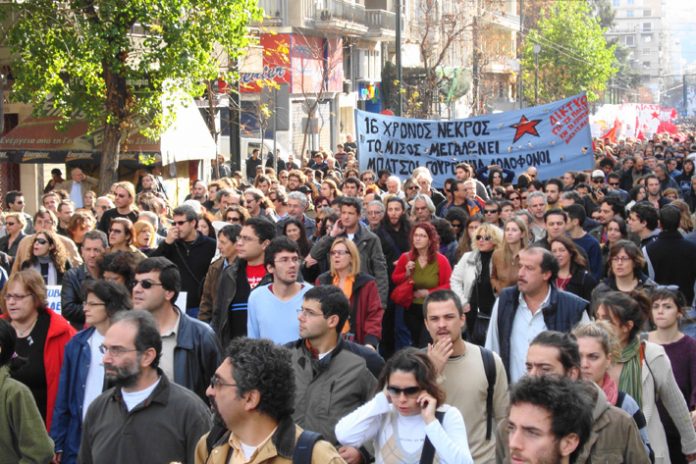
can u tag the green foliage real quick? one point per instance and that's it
(111, 61)
(574, 54)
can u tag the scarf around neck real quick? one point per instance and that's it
(630, 381)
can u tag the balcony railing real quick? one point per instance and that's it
(328, 10)
(275, 11)
(380, 19)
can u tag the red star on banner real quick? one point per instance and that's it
(655, 115)
(525, 126)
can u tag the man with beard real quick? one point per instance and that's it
(549, 420)
(253, 394)
(144, 417)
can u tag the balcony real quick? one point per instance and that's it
(506, 21)
(336, 16)
(381, 24)
(275, 12)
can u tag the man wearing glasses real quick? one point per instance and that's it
(327, 366)
(192, 253)
(14, 199)
(121, 423)
(189, 352)
(271, 310)
(257, 415)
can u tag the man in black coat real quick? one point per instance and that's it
(671, 259)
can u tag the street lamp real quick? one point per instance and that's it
(536, 49)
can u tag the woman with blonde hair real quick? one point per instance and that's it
(686, 223)
(471, 281)
(122, 236)
(48, 257)
(505, 258)
(364, 323)
(145, 237)
(598, 349)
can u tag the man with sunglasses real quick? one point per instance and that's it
(192, 253)
(144, 417)
(124, 199)
(14, 200)
(190, 351)
(327, 366)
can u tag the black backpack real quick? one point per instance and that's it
(489, 368)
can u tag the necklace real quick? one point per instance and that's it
(25, 332)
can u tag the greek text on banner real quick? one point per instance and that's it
(553, 138)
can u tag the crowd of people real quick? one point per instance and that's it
(308, 311)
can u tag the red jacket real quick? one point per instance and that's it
(366, 307)
(59, 334)
(443, 265)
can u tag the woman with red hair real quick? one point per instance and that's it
(427, 270)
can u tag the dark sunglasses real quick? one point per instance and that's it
(180, 223)
(146, 284)
(41, 241)
(408, 391)
(485, 238)
(490, 211)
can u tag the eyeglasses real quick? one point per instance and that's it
(216, 382)
(13, 297)
(374, 213)
(180, 223)
(146, 284)
(41, 241)
(233, 219)
(490, 211)
(621, 259)
(614, 184)
(10, 224)
(408, 391)
(485, 238)
(286, 260)
(413, 187)
(115, 231)
(338, 252)
(304, 312)
(115, 351)
(514, 198)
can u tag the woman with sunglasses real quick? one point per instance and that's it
(23, 437)
(48, 258)
(41, 338)
(409, 408)
(82, 373)
(235, 214)
(121, 237)
(516, 198)
(466, 240)
(471, 281)
(364, 324)
(428, 270)
(643, 371)
(668, 310)
(505, 262)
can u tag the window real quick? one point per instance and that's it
(647, 27)
(647, 38)
(616, 2)
(630, 41)
(647, 13)
(629, 13)
(646, 64)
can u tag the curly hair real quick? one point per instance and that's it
(57, 253)
(416, 362)
(433, 238)
(115, 296)
(266, 367)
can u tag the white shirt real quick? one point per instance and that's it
(76, 194)
(525, 327)
(95, 374)
(133, 399)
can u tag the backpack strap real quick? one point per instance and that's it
(428, 453)
(489, 368)
(304, 447)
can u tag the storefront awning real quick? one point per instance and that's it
(38, 140)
